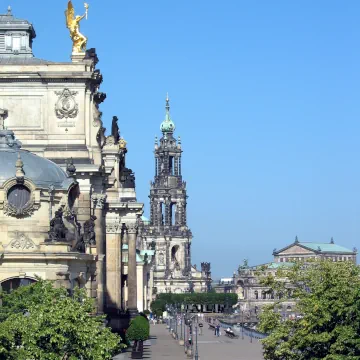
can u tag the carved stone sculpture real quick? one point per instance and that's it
(58, 229)
(115, 129)
(89, 231)
(70, 167)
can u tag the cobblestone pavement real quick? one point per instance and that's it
(162, 346)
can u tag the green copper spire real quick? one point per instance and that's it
(167, 126)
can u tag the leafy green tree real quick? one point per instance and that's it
(41, 322)
(328, 299)
(138, 331)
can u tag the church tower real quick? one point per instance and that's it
(167, 231)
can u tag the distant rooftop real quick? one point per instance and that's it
(326, 247)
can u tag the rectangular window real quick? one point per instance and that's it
(16, 43)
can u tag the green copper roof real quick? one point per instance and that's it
(273, 265)
(167, 126)
(326, 247)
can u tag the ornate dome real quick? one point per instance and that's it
(167, 126)
(42, 172)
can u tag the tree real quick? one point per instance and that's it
(41, 322)
(328, 301)
(138, 331)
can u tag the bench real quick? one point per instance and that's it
(231, 335)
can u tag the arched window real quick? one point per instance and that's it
(18, 196)
(256, 294)
(13, 284)
(173, 214)
(162, 213)
(263, 295)
(174, 251)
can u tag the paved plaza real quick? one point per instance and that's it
(162, 346)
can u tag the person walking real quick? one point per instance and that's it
(217, 330)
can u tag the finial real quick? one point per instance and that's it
(167, 107)
(9, 10)
(179, 140)
(296, 240)
(156, 140)
(19, 167)
(332, 240)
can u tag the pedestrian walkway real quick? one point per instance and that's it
(162, 346)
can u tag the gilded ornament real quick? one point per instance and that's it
(73, 24)
(122, 143)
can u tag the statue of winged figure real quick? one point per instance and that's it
(73, 24)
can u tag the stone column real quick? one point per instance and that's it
(98, 206)
(113, 265)
(132, 280)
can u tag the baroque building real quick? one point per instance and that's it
(68, 206)
(167, 231)
(246, 281)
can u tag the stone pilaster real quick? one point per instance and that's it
(98, 206)
(113, 265)
(132, 278)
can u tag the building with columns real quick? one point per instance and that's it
(253, 294)
(68, 206)
(167, 231)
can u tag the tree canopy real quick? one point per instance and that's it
(328, 303)
(41, 322)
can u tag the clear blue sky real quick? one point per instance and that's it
(265, 95)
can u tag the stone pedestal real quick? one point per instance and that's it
(77, 57)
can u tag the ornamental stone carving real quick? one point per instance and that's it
(21, 242)
(98, 200)
(132, 228)
(66, 106)
(113, 227)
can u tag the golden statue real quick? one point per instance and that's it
(73, 24)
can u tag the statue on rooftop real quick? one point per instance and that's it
(73, 24)
(115, 129)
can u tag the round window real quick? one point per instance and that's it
(19, 196)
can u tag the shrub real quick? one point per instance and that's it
(139, 329)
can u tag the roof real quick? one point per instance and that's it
(325, 247)
(41, 171)
(272, 265)
(139, 259)
(23, 60)
(318, 247)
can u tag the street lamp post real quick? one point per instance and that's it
(181, 341)
(242, 324)
(196, 338)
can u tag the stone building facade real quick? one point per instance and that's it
(167, 231)
(78, 215)
(253, 294)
